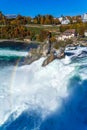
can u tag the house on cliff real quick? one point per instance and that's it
(85, 33)
(68, 34)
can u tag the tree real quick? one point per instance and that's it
(56, 21)
(43, 35)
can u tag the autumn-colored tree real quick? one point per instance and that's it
(56, 21)
(28, 20)
(42, 20)
(43, 35)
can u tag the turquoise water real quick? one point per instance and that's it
(42, 98)
(11, 52)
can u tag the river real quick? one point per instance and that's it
(33, 97)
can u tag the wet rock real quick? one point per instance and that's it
(33, 55)
(41, 51)
(29, 60)
(33, 58)
(44, 50)
(55, 54)
(49, 59)
(60, 53)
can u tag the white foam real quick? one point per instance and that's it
(5, 52)
(66, 60)
(33, 85)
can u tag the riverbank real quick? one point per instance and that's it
(14, 40)
(51, 52)
(36, 50)
(20, 41)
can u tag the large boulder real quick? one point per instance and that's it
(60, 53)
(41, 51)
(49, 59)
(29, 60)
(44, 50)
(32, 56)
(55, 54)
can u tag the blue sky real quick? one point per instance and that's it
(34, 7)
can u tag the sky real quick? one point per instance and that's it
(35, 7)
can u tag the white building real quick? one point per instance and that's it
(68, 34)
(60, 19)
(84, 17)
(27, 40)
(66, 21)
(85, 33)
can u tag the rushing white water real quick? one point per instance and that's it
(7, 52)
(34, 86)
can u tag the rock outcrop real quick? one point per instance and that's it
(44, 50)
(49, 59)
(60, 53)
(55, 54)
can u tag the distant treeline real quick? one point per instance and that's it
(21, 32)
(39, 19)
(11, 28)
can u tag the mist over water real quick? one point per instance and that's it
(43, 98)
(11, 52)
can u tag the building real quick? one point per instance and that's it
(85, 33)
(68, 34)
(27, 39)
(11, 16)
(66, 21)
(84, 17)
(60, 19)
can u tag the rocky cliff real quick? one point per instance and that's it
(44, 50)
